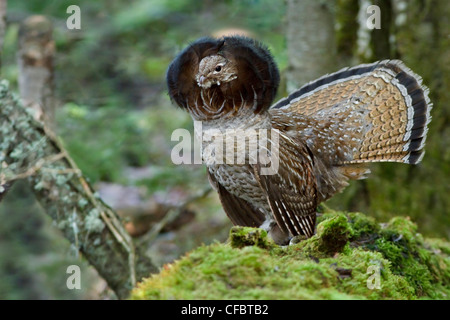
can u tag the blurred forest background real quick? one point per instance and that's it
(114, 116)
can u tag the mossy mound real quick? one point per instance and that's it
(350, 257)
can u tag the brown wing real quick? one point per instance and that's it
(240, 212)
(292, 191)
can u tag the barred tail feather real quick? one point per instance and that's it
(394, 103)
(399, 128)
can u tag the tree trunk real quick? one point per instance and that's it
(35, 61)
(380, 38)
(3, 7)
(310, 41)
(4, 187)
(3, 10)
(29, 151)
(347, 31)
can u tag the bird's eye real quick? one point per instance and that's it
(218, 68)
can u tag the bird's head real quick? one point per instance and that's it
(212, 78)
(215, 69)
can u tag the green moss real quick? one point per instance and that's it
(242, 236)
(415, 260)
(350, 257)
(333, 234)
(362, 225)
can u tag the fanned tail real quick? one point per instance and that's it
(396, 109)
(399, 118)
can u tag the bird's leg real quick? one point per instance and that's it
(274, 232)
(268, 224)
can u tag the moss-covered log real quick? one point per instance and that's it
(29, 151)
(350, 257)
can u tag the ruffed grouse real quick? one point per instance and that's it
(326, 132)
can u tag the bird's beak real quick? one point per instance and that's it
(201, 79)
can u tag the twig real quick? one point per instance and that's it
(33, 169)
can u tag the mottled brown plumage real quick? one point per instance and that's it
(328, 130)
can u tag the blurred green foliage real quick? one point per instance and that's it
(124, 48)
